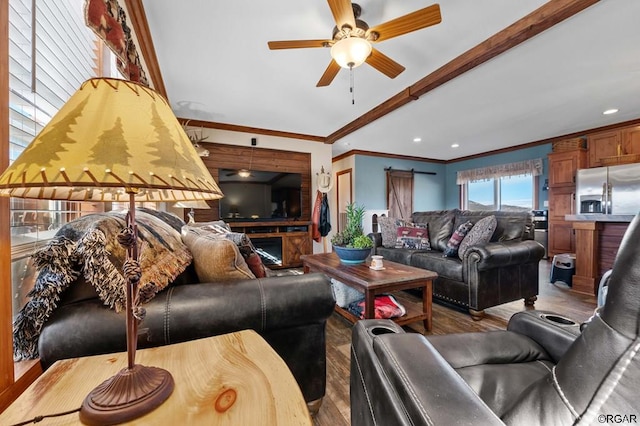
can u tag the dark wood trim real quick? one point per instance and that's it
(522, 30)
(25, 373)
(384, 155)
(350, 189)
(246, 129)
(582, 133)
(6, 341)
(138, 18)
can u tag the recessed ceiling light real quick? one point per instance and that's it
(610, 111)
(455, 145)
(417, 139)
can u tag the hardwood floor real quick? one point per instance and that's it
(553, 297)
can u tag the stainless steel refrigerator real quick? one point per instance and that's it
(609, 190)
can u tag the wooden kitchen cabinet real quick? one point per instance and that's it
(563, 166)
(614, 147)
(561, 238)
(631, 140)
(562, 201)
(602, 145)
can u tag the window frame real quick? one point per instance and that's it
(497, 191)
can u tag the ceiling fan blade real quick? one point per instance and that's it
(329, 74)
(342, 13)
(405, 24)
(384, 64)
(296, 44)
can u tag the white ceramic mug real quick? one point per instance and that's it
(376, 262)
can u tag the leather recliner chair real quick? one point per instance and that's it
(537, 372)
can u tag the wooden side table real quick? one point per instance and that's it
(231, 379)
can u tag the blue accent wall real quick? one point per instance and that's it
(539, 151)
(434, 192)
(370, 182)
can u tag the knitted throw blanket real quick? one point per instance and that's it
(89, 246)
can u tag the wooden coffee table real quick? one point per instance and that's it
(393, 277)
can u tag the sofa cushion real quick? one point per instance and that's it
(479, 235)
(215, 257)
(440, 224)
(389, 230)
(400, 255)
(453, 245)
(510, 225)
(449, 267)
(411, 237)
(247, 250)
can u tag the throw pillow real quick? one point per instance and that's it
(479, 235)
(88, 247)
(456, 238)
(414, 238)
(215, 258)
(389, 230)
(247, 250)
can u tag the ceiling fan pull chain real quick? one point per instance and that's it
(353, 100)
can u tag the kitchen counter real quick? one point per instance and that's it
(598, 238)
(599, 217)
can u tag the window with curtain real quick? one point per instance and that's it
(51, 52)
(504, 187)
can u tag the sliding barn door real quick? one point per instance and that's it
(400, 194)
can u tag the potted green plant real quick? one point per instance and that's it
(350, 244)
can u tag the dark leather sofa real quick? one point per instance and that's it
(289, 312)
(540, 371)
(504, 270)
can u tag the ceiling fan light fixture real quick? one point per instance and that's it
(244, 173)
(351, 52)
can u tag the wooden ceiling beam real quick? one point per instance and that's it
(246, 129)
(541, 19)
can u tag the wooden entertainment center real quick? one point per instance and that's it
(293, 236)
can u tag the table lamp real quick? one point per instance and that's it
(115, 141)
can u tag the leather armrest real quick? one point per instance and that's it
(205, 309)
(545, 329)
(500, 254)
(432, 391)
(188, 312)
(376, 237)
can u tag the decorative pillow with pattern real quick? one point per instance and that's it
(458, 235)
(414, 238)
(389, 230)
(479, 235)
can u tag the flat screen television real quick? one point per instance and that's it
(263, 195)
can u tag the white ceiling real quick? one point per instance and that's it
(216, 66)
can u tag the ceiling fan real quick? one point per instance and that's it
(351, 40)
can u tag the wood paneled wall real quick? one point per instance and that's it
(273, 160)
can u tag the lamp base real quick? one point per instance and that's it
(129, 394)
